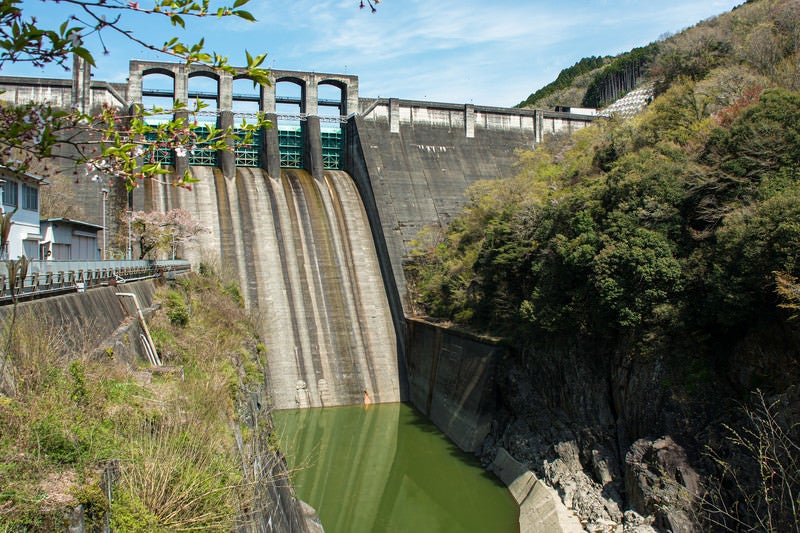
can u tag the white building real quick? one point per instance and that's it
(69, 240)
(20, 191)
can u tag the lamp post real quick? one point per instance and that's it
(104, 192)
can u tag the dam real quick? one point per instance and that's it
(314, 217)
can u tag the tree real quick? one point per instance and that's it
(23, 40)
(31, 132)
(164, 232)
(371, 4)
(788, 288)
(5, 231)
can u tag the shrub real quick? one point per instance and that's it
(177, 311)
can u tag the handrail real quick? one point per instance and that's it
(149, 345)
(50, 278)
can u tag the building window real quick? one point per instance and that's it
(30, 198)
(10, 193)
(30, 249)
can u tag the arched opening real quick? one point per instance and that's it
(158, 102)
(158, 93)
(245, 106)
(289, 109)
(246, 100)
(203, 93)
(330, 105)
(330, 99)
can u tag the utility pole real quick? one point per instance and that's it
(104, 192)
(130, 222)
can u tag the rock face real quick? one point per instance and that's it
(659, 481)
(621, 432)
(596, 502)
(577, 424)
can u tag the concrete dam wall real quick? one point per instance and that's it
(414, 161)
(302, 252)
(320, 258)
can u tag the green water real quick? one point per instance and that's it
(387, 469)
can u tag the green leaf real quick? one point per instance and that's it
(177, 20)
(245, 15)
(239, 3)
(254, 62)
(84, 54)
(188, 178)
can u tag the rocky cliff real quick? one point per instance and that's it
(624, 436)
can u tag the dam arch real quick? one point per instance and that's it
(204, 87)
(290, 98)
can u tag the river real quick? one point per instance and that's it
(386, 468)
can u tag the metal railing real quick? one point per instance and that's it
(49, 278)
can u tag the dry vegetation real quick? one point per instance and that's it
(174, 441)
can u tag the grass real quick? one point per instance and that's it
(176, 440)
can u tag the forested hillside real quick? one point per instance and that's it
(756, 39)
(660, 257)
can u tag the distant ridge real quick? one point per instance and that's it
(751, 41)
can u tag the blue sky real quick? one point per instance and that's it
(461, 51)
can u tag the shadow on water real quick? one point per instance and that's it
(422, 424)
(386, 468)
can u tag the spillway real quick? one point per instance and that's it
(302, 251)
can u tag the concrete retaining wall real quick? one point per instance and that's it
(451, 381)
(96, 317)
(451, 378)
(540, 507)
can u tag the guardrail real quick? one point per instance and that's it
(49, 278)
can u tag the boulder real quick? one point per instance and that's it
(659, 481)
